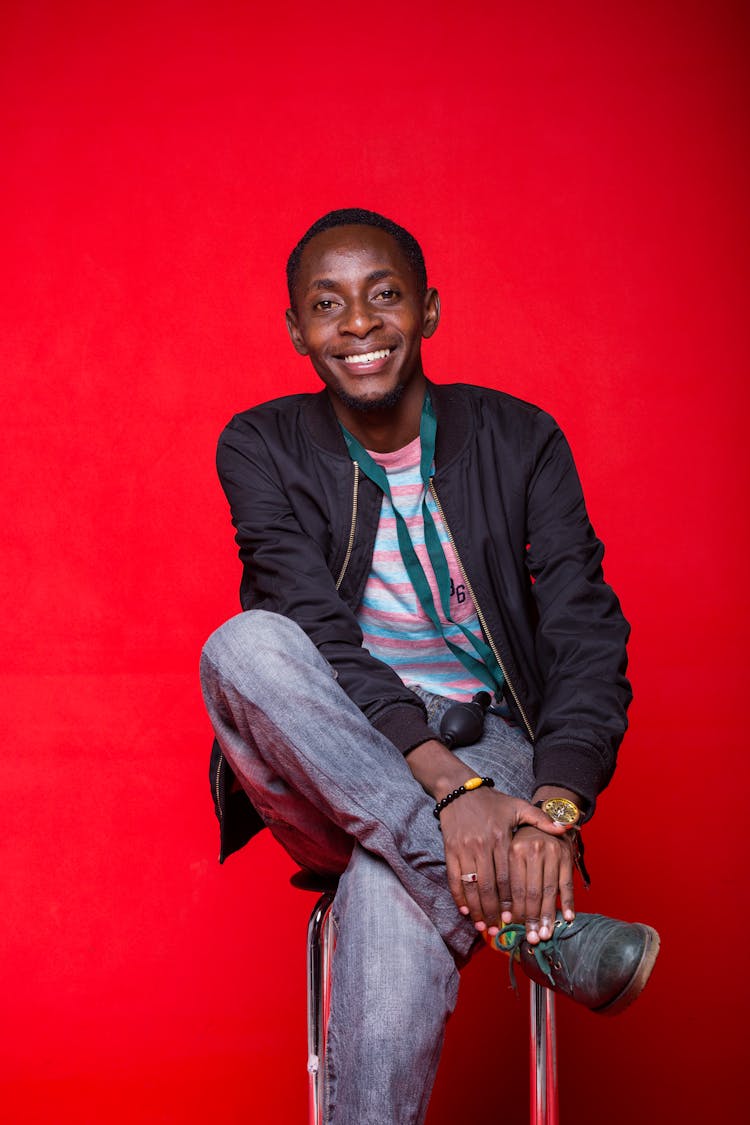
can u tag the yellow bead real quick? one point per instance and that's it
(473, 783)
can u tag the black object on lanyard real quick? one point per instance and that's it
(486, 669)
(463, 723)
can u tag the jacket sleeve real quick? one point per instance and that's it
(285, 572)
(581, 633)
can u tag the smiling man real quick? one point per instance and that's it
(407, 547)
(360, 311)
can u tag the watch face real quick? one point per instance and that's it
(561, 810)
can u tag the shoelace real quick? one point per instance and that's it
(508, 940)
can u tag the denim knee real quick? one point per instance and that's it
(256, 641)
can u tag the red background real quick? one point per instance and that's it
(578, 176)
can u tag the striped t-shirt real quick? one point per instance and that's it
(395, 627)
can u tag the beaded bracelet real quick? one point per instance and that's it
(472, 783)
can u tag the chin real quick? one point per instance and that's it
(384, 401)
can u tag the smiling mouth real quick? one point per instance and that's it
(367, 357)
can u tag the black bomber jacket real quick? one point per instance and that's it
(509, 494)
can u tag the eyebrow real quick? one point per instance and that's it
(329, 283)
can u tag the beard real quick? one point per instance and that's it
(369, 405)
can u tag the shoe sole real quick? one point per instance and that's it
(637, 982)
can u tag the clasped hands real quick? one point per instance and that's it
(523, 863)
(523, 860)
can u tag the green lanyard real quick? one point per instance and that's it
(486, 669)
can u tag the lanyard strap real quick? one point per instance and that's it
(486, 669)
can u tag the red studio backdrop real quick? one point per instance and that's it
(578, 176)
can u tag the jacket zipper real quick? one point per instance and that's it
(480, 615)
(217, 787)
(220, 807)
(350, 545)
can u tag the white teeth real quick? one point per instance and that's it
(368, 357)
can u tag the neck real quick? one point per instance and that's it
(388, 429)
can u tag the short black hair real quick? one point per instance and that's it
(357, 217)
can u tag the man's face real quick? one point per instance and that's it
(360, 315)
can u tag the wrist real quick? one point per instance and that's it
(469, 786)
(437, 769)
(547, 792)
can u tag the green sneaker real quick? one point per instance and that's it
(599, 962)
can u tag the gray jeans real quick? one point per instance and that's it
(340, 797)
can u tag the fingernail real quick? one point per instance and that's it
(506, 917)
(544, 932)
(532, 936)
(492, 931)
(569, 915)
(480, 926)
(463, 910)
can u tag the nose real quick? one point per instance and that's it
(358, 319)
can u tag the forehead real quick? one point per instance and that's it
(350, 253)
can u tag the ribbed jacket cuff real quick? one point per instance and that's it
(405, 727)
(575, 766)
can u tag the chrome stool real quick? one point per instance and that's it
(320, 943)
(321, 939)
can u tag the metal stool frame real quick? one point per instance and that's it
(320, 943)
(542, 1041)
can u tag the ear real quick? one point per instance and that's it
(431, 317)
(294, 332)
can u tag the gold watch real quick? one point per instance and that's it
(561, 810)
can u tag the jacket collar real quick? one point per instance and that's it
(451, 410)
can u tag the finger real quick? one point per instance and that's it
(456, 886)
(517, 872)
(534, 854)
(567, 888)
(502, 879)
(466, 893)
(530, 814)
(488, 896)
(473, 900)
(550, 888)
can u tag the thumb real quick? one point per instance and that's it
(530, 814)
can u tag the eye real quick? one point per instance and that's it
(387, 295)
(325, 305)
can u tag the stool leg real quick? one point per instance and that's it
(320, 944)
(320, 941)
(543, 1057)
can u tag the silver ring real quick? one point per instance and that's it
(470, 877)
